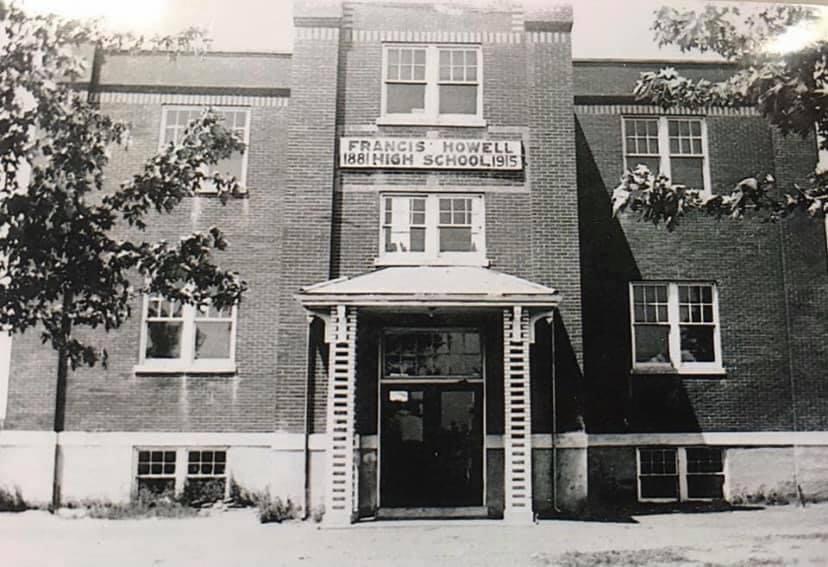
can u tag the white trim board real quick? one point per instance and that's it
(738, 438)
(274, 441)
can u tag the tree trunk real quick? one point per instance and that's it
(60, 400)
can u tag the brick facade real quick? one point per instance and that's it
(305, 220)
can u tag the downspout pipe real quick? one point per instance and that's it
(553, 372)
(308, 414)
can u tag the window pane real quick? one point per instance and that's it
(705, 486)
(417, 236)
(659, 487)
(704, 460)
(458, 99)
(213, 339)
(163, 340)
(455, 239)
(405, 99)
(232, 165)
(157, 486)
(652, 343)
(652, 163)
(697, 343)
(687, 171)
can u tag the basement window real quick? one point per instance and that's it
(156, 472)
(197, 474)
(672, 474)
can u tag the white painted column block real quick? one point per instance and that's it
(517, 403)
(340, 500)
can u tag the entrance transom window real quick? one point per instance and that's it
(442, 229)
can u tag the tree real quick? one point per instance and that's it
(65, 262)
(789, 88)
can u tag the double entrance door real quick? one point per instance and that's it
(431, 419)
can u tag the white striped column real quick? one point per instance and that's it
(518, 417)
(341, 477)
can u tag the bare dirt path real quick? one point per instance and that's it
(786, 535)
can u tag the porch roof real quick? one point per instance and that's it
(430, 286)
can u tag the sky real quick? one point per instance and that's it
(602, 29)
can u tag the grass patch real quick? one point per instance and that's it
(146, 505)
(12, 500)
(630, 558)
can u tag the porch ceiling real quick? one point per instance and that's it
(430, 286)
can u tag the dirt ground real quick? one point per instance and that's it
(786, 535)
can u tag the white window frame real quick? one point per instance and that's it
(210, 188)
(181, 474)
(674, 338)
(186, 363)
(432, 255)
(681, 471)
(664, 146)
(431, 113)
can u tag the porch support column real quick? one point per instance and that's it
(518, 417)
(340, 501)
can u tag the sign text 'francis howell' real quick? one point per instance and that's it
(420, 153)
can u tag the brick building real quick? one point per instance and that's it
(443, 317)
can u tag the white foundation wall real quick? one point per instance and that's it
(102, 466)
(97, 472)
(759, 471)
(26, 463)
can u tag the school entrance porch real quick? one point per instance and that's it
(429, 392)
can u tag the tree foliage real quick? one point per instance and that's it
(788, 87)
(64, 257)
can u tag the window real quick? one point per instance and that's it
(432, 229)
(206, 476)
(156, 472)
(675, 326)
(676, 147)
(432, 84)
(434, 354)
(176, 119)
(670, 474)
(179, 337)
(163, 472)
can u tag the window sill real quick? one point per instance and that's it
(413, 120)
(708, 371)
(478, 261)
(217, 368)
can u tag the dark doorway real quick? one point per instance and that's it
(431, 412)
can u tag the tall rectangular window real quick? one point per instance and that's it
(432, 228)
(675, 147)
(432, 84)
(175, 120)
(177, 337)
(675, 326)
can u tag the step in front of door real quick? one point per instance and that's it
(436, 513)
